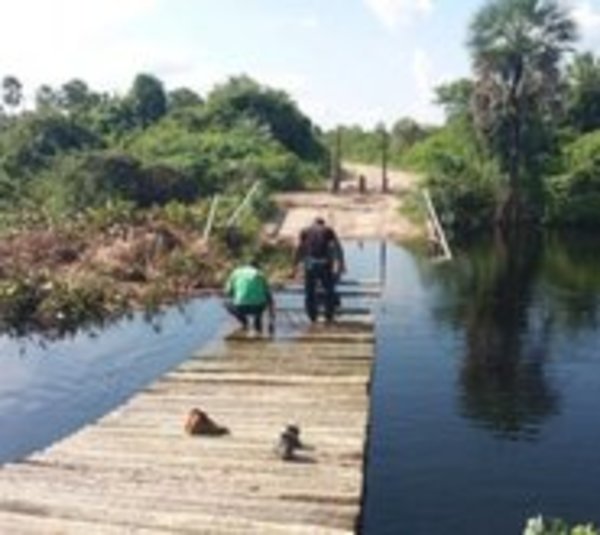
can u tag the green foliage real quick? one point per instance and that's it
(76, 97)
(540, 526)
(185, 215)
(583, 92)
(455, 98)
(113, 213)
(583, 151)
(32, 143)
(12, 91)
(182, 98)
(217, 159)
(19, 299)
(46, 98)
(462, 181)
(26, 302)
(148, 99)
(574, 196)
(83, 149)
(242, 97)
(65, 307)
(92, 183)
(517, 46)
(96, 179)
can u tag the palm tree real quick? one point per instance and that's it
(517, 46)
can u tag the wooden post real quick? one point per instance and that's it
(383, 263)
(336, 161)
(211, 217)
(384, 161)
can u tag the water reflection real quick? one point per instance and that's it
(572, 280)
(485, 390)
(491, 295)
(49, 388)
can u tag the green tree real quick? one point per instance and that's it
(182, 98)
(32, 142)
(242, 97)
(405, 133)
(583, 92)
(113, 118)
(517, 46)
(12, 92)
(46, 98)
(75, 96)
(455, 98)
(148, 99)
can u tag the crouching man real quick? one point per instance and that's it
(248, 295)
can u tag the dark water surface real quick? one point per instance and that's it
(487, 391)
(50, 389)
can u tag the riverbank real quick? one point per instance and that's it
(58, 278)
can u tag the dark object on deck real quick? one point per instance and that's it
(199, 423)
(362, 184)
(289, 442)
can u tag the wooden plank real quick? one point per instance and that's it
(136, 471)
(342, 293)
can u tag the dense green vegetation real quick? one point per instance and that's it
(104, 198)
(79, 148)
(521, 141)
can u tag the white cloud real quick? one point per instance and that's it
(422, 70)
(309, 22)
(51, 42)
(394, 12)
(588, 20)
(423, 108)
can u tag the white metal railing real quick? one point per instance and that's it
(440, 235)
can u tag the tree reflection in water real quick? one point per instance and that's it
(489, 295)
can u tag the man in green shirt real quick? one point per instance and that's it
(248, 293)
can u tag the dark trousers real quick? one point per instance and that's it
(242, 312)
(319, 274)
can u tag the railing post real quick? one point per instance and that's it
(211, 216)
(437, 225)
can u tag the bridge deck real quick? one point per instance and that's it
(136, 471)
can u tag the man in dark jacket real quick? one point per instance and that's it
(320, 251)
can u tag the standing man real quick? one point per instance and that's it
(249, 295)
(323, 257)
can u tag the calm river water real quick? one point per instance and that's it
(487, 391)
(485, 395)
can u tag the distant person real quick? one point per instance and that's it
(248, 295)
(321, 253)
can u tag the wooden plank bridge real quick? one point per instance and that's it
(136, 471)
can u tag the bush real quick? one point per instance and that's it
(574, 196)
(34, 140)
(463, 184)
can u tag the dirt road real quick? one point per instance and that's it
(354, 214)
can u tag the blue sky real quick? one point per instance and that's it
(350, 61)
